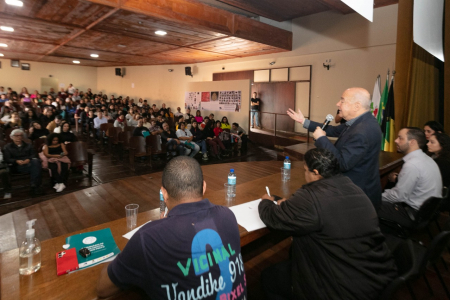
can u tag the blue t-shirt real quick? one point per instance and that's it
(194, 253)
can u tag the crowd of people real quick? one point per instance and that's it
(52, 114)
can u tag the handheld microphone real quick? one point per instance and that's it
(327, 121)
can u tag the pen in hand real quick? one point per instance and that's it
(268, 193)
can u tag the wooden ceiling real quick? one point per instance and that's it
(283, 10)
(122, 32)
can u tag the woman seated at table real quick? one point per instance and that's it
(439, 147)
(36, 131)
(198, 117)
(225, 124)
(66, 134)
(58, 162)
(15, 121)
(432, 127)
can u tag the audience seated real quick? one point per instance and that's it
(173, 144)
(140, 129)
(224, 124)
(241, 134)
(99, 121)
(185, 136)
(53, 126)
(198, 117)
(162, 249)
(67, 136)
(213, 141)
(57, 160)
(30, 116)
(47, 117)
(15, 121)
(338, 251)
(199, 139)
(154, 129)
(418, 180)
(36, 131)
(22, 158)
(120, 121)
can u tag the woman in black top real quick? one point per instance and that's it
(66, 135)
(29, 118)
(15, 122)
(36, 131)
(55, 149)
(439, 147)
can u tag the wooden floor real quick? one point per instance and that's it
(105, 170)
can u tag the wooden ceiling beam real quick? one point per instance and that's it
(199, 15)
(337, 5)
(72, 37)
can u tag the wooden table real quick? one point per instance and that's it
(45, 284)
(389, 161)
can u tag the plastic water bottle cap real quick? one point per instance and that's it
(287, 157)
(232, 170)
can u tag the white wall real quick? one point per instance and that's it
(81, 77)
(359, 50)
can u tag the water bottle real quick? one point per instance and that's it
(162, 204)
(232, 181)
(287, 168)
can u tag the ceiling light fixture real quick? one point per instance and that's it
(6, 28)
(94, 55)
(1, 54)
(121, 46)
(76, 61)
(160, 32)
(3, 45)
(14, 2)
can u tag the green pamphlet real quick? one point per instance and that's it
(100, 243)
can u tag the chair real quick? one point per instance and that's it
(137, 149)
(38, 143)
(430, 256)
(111, 121)
(129, 128)
(7, 135)
(103, 129)
(124, 141)
(113, 138)
(154, 145)
(77, 118)
(421, 221)
(79, 155)
(405, 262)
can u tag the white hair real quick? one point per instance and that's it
(16, 131)
(361, 96)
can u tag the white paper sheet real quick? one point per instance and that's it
(247, 215)
(132, 232)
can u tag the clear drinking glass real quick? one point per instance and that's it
(131, 211)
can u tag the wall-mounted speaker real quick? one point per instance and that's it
(188, 71)
(120, 72)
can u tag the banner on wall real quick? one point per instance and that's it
(213, 100)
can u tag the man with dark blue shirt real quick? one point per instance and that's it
(194, 253)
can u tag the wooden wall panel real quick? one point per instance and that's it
(276, 97)
(240, 75)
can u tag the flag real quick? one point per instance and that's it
(382, 107)
(376, 96)
(388, 126)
